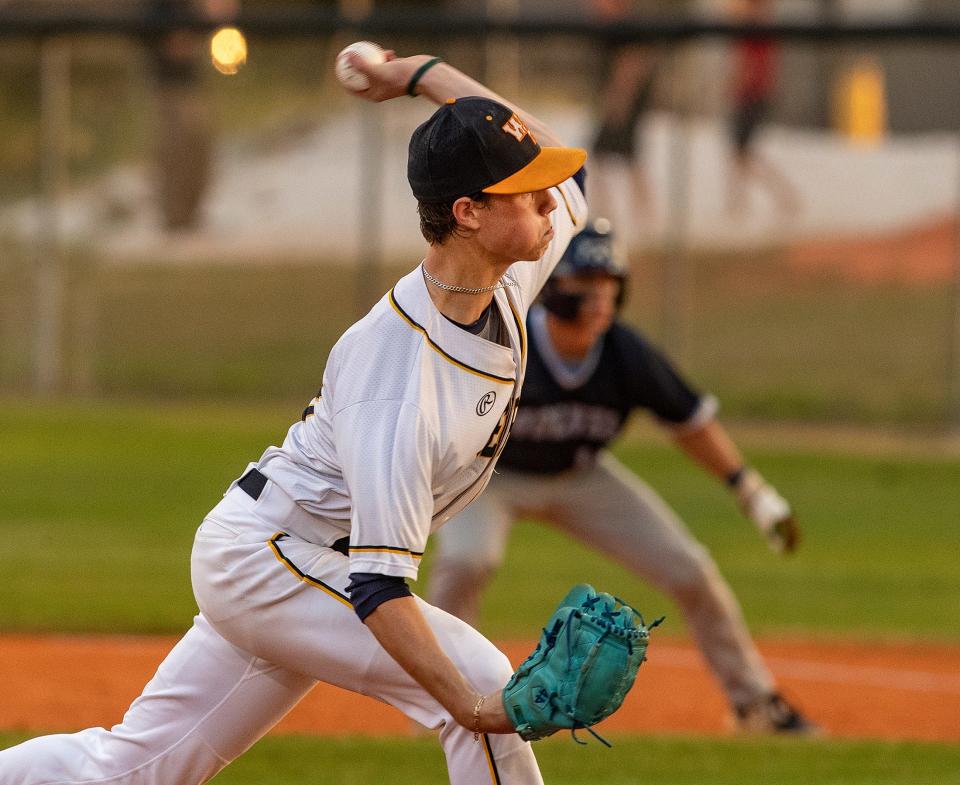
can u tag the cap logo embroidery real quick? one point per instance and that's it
(516, 128)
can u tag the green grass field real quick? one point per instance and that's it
(632, 761)
(100, 502)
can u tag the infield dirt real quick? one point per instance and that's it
(853, 690)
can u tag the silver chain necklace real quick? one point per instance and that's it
(501, 284)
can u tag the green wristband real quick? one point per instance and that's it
(418, 75)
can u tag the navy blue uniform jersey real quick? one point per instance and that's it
(568, 413)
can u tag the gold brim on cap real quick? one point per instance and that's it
(551, 167)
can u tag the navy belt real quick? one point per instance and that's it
(253, 483)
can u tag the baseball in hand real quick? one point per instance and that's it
(349, 76)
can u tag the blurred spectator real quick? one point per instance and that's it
(631, 72)
(183, 140)
(754, 85)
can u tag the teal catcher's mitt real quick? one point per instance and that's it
(583, 667)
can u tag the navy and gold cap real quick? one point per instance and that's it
(477, 144)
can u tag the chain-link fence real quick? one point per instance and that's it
(788, 198)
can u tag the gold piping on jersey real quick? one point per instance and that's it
(308, 579)
(567, 205)
(417, 555)
(453, 360)
(520, 329)
(494, 774)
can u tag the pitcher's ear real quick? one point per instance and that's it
(467, 212)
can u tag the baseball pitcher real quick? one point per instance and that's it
(300, 572)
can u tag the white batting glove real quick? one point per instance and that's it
(769, 511)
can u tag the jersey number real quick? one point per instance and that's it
(309, 411)
(500, 431)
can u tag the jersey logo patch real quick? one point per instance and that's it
(485, 404)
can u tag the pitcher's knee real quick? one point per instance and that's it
(490, 671)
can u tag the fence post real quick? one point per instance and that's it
(953, 337)
(49, 268)
(369, 182)
(674, 282)
(370, 206)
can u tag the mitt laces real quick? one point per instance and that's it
(609, 618)
(612, 623)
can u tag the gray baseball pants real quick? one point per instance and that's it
(611, 509)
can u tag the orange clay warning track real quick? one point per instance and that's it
(921, 254)
(888, 691)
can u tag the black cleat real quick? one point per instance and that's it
(772, 714)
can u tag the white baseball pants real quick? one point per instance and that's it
(274, 620)
(609, 508)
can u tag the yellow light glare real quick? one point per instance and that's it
(860, 104)
(228, 50)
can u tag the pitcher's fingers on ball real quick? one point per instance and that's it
(351, 62)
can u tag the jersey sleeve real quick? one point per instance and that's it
(659, 387)
(386, 452)
(567, 220)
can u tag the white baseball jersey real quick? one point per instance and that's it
(412, 415)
